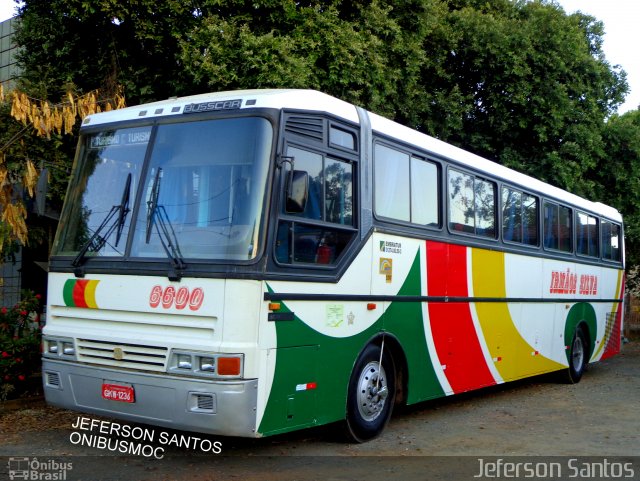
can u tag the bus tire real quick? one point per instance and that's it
(578, 357)
(371, 395)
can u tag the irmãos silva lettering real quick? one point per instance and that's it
(568, 282)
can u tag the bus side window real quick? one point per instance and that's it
(557, 227)
(611, 241)
(472, 204)
(550, 225)
(511, 215)
(587, 235)
(529, 220)
(391, 177)
(307, 237)
(519, 217)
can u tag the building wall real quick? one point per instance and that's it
(8, 53)
(10, 278)
(10, 281)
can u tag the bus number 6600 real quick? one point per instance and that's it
(181, 298)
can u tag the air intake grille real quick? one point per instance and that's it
(52, 379)
(305, 126)
(133, 356)
(205, 402)
(202, 403)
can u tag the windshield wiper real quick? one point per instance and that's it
(157, 216)
(96, 242)
(152, 204)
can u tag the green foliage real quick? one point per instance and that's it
(536, 88)
(19, 145)
(20, 339)
(102, 44)
(618, 176)
(517, 81)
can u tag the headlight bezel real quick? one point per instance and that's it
(205, 364)
(58, 347)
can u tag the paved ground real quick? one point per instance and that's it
(446, 439)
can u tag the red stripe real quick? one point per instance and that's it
(613, 344)
(454, 334)
(78, 293)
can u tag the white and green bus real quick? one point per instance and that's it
(255, 262)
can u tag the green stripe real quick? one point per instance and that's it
(67, 292)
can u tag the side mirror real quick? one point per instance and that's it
(297, 191)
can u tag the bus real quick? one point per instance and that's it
(250, 263)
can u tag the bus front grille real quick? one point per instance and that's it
(132, 356)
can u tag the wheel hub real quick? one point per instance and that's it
(577, 353)
(372, 391)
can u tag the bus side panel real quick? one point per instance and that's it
(310, 357)
(338, 331)
(526, 328)
(456, 337)
(516, 327)
(310, 377)
(406, 322)
(612, 329)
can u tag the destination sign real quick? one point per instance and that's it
(119, 137)
(212, 106)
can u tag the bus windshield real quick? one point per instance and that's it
(202, 191)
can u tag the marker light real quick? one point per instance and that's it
(228, 366)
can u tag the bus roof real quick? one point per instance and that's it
(275, 98)
(473, 161)
(317, 101)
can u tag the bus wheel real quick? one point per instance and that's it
(371, 395)
(578, 357)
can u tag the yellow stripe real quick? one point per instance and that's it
(90, 294)
(501, 335)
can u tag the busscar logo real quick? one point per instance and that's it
(27, 468)
(213, 106)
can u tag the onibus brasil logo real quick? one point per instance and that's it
(35, 469)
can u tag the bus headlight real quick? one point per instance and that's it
(184, 361)
(225, 366)
(207, 364)
(59, 347)
(68, 349)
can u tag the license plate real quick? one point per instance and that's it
(116, 392)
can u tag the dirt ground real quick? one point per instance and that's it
(597, 419)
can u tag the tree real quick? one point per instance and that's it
(103, 44)
(517, 81)
(35, 121)
(618, 175)
(536, 88)
(521, 83)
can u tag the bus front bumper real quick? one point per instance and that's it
(214, 407)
